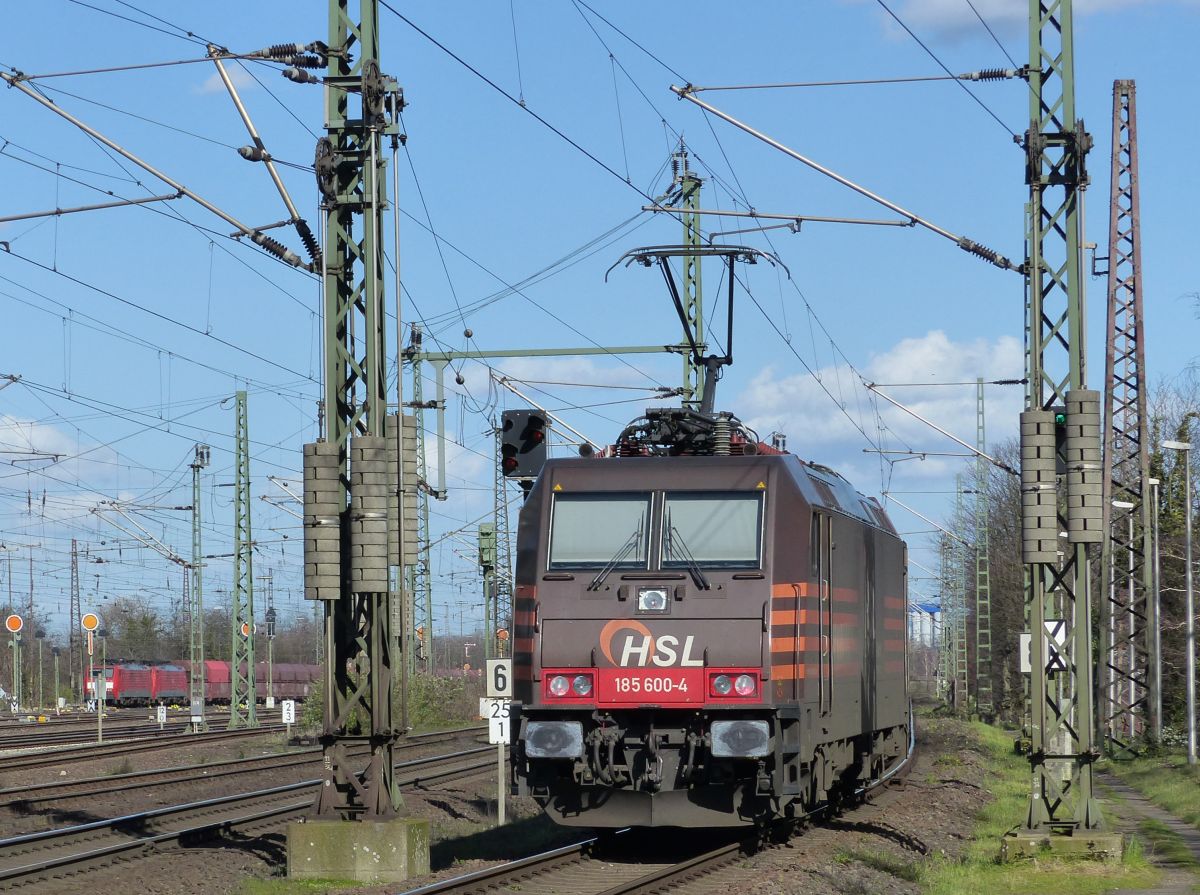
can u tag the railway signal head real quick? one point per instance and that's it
(522, 443)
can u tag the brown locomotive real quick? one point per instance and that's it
(708, 632)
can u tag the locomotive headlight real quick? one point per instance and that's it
(559, 685)
(743, 685)
(652, 599)
(721, 685)
(582, 685)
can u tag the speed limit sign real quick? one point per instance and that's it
(499, 678)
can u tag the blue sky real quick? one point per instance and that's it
(131, 327)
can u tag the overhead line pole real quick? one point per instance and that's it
(1060, 427)
(243, 711)
(196, 598)
(1128, 617)
(983, 578)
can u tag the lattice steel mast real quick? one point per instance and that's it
(196, 595)
(1127, 621)
(983, 581)
(242, 694)
(346, 518)
(422, 582)
(75, 635)
(691, 293)
(962, 685)
(1060, 426)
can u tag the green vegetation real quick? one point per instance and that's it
(1166, 842)
(979, 870)
(1167, 781)
(435, 703)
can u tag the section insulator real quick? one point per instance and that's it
(307, 61)
(982, 251)
(990, 74)
(277, 249)
(310, 243)
(281, 51)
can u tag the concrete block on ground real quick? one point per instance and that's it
(371, 852)
(1096, 845)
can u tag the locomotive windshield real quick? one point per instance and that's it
(713, 530)
(595, 530)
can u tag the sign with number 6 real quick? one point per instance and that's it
(499, 678)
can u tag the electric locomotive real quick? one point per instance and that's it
(708, 632)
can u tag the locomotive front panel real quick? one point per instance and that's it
(642, 653)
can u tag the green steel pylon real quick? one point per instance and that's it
(196, 597)
(1061, 711)
(983, 580)
(242, 709)
(692, 294)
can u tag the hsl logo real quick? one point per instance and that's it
(641, 648)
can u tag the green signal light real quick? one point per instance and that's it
(1060, 419)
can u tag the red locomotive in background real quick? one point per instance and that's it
(141, 683)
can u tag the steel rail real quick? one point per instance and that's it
(74, 862)
(23, 795)
(93, 752)
(522, 870)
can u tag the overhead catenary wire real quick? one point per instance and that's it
(1012, 134)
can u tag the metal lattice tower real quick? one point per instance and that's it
(1062, 726)
(76, 656)
(962, 676)
(983, 580)
(421, 587)
(361, 107)
(692, 293)
(242, 709)
(1126, 624)
(196, 591)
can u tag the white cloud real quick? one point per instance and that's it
(240, 78)
(817, 428)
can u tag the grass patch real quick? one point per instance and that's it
(1166, 842)
(978, 868)
(1166, 780)
(884, 863)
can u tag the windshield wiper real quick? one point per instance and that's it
(632, 541)
(684, 553)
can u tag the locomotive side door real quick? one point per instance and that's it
(822, 546)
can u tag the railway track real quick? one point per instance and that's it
(26, 796)
(92, 752)
(612, 865)
(65, 851)
(42, 737)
